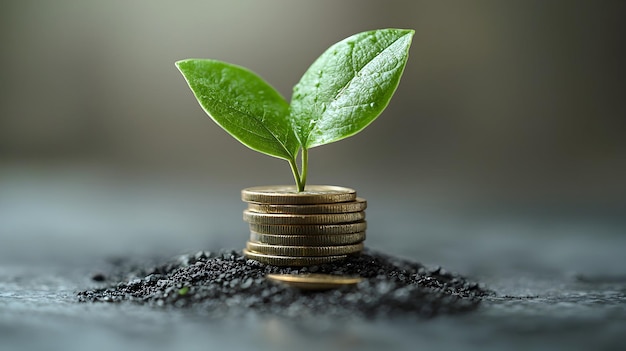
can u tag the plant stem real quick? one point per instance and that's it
(303, 170)
(296, 175)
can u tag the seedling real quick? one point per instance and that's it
(342, 92)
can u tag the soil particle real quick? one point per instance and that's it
(226, 283)
(98, 277)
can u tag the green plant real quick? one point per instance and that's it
(342, 92)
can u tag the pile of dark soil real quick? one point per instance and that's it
(227, 283)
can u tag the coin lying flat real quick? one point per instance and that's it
(299, 261)
(289, 195)
(287, 218)
(308, 240)
(320, 229)
(304, 251)
(314, 281)
(341, 207)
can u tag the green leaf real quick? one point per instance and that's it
(348, 86)
(243, 104)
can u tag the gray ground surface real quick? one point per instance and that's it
(560, 279)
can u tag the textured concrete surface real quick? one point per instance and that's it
(559, 278)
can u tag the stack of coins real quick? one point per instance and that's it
(289, 228)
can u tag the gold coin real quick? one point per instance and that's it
(304, 251)
(341, 207)
(314, 281)
(288, 194)
(283, 218)
(319, 229)
(291, 260)
(308, 240)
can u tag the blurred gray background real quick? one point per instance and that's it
(515, 105)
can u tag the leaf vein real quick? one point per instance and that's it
(252, 116)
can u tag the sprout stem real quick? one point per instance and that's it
(296, 175)
(305, 162)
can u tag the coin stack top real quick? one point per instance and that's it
(289, 194)
(321, 224)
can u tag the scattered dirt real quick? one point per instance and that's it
(226, 283)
